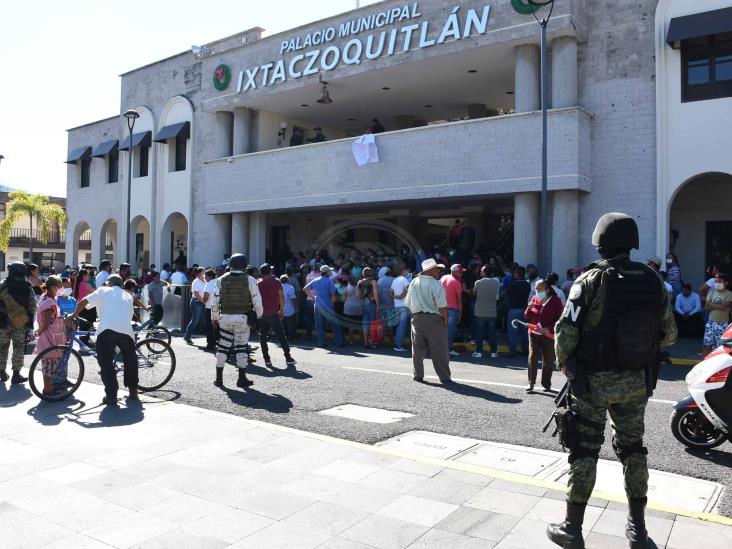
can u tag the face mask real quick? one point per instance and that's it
(66, 292)
(669, 261)
(541, 295)
(720, 286)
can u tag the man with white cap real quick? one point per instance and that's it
(427, 301)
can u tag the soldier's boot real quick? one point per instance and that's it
(243, 380)
(4, 376)
(568, 534)
(635, 530)
(18, 378)
(219, 381)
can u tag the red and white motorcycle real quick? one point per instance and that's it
(703, 419)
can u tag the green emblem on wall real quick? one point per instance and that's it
(527, 7)
(222, 77)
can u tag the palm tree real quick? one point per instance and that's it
(38, 208)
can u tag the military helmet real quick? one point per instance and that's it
(238, 262)
(616, 231)
(17, 269)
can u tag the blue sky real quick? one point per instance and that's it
(60, 62)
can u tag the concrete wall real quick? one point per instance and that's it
(616, 83)
(469, 158)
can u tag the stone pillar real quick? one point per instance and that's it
(527, 78)
(224, 134)
(526, 228)
(477, 110)
(565, 230)
(242, 130)
(240, 233)
(257, 238)
(564, 72)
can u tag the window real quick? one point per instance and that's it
(85, 165)
(180, 152)
(707, 67)
(144, 156)
(113, 166)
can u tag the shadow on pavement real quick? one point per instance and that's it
(715, 456)
(290, 371)
(53, 413)
(251, 398)
(477, 392)
(12, 395)
(109, 416)
(166, 395)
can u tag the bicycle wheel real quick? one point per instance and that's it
(156, 332)
(56, 373)
(155, 364)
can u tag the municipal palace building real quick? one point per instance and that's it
(226, 156)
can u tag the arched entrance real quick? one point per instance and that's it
(700, 227)
(174, 238)
(140, 243)
(108, 242)
(81, 251)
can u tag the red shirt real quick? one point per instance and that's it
(270, 289)
(546, 314)
(453, 290)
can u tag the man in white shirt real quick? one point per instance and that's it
(208, 291)
(399, 287)
(688, 313)
(114, 331)
(178, 278)
(165, 273)
(198, 304)
(105, 269)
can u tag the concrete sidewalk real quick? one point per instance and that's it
(159, 474)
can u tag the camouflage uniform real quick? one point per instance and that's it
(8, 333)
(18, 337)
(622, 393)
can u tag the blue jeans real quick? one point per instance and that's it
(514, 334)
(325, 317)
(402, 327)
(197, 311)
(369, 314)
(481, 323)
(309, 317)
(452, 320)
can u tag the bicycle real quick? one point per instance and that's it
(63, 372)
(147, 330)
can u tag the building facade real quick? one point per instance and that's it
(457, 87)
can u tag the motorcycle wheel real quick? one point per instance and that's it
(692, 429)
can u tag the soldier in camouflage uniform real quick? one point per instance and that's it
(618, 315)
(17, 309)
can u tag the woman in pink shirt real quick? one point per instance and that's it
(51, 331)
(83, 288)
(542, 313)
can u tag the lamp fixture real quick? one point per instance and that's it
(304, 105)
(386, 88)
(472, 71)
(282, 133)
(324, 94)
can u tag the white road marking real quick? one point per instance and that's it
(475, 381)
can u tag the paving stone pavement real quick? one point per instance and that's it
(165, 475)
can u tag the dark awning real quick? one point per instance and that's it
(173, 131)
(103, 149)
(699, 24)
(142, 138)
(78, 154)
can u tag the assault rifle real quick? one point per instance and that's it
(560, 401)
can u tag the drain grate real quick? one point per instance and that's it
(364, 413)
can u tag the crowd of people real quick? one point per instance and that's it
(365, 299)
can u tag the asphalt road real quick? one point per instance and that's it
(488, 401)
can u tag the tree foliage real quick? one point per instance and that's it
(36, 206)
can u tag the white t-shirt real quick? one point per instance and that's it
(178, 278)
(198, 286)
(398, 286)
(164, 275)
(101, 278)
(209, 289)
(114, 309)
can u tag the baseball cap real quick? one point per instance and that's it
(325, 269)
(457, 268)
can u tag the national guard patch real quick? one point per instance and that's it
(575, 291)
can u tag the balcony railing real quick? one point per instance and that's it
(22, 237)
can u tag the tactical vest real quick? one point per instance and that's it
(628, 335)
(235, 298)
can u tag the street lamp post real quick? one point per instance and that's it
(131, 116)
(526, 7)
